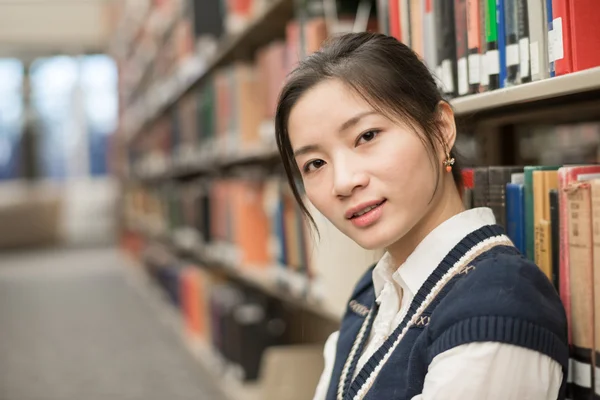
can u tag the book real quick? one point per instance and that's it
(501, 37)
(474, 45)
(538, 40)
(446, 46)
(561, 28)
(515, 215)
(543, 182)
(462, 46)
(511, 34)
(492, 54)
(523, 36)
(581, 282)
(394, 16)
(595, 200)
(584, 17)
(555, 237)
(416, 28)
(429, 35)
(529, 208)
(550, 34)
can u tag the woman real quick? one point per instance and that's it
(452, 310)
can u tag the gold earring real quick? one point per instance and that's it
(448, 162)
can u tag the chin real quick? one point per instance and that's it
(372, 240)
(378, 237)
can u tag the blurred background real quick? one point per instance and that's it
(150, 247)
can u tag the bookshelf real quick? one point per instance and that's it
(277, 282)
(268, 25)
(165, 162)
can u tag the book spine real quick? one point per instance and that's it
(550, 40)
(555, 236)
(474, 45)
(446, 46)
(416, 27)
(515, 223)
(429, 35)
(511, 20)
(561, 27)
(595, 193)
(501, 27)
(394, 19)
(580, 254)
(405, 22)
(491, 39)
(524, 41)
(462, 45)
(584, 19)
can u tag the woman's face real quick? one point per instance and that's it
(371, 177)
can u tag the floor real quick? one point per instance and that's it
(74, 326)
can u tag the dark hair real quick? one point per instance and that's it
(385, 73)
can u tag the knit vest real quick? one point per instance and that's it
(484, 290)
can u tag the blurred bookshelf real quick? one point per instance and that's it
(205, 207)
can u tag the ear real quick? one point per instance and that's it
(447, 125)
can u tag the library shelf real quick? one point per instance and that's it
(584, 83)
(159, 98)
(276, 281)
(222, 373)
(204, 161)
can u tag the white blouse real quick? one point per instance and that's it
(488, 370)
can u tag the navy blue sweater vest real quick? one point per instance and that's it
(484, 290)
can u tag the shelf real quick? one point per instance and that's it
(206, 160)
(163, 95)
(218, 369)
(522, 97)
(274, 280)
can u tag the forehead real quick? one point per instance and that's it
(323, 108)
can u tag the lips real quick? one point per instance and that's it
(362, 208)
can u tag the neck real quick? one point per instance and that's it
(446, 204)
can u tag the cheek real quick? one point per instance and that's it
(318, 194)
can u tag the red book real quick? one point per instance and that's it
(566, 176)
(561, 26)
(394, 12)
(585, 33)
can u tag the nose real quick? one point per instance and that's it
(348, 176)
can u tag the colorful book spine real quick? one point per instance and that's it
(491, 37)
(515, 215)
(501, 27)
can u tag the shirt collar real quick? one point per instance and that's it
(430, 252)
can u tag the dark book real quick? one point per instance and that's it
(498, 178)
(481, 186)
(208, 18)
(555, 236)
(524, 41)
(515, 215)
(511, 35)
(446, 46)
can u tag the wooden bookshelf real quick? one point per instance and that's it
(163, 95)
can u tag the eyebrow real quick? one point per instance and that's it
(354, 120)
(346, 125)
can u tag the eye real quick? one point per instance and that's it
(313, 165)
(367, 136)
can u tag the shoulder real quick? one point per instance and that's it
(503, 297)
